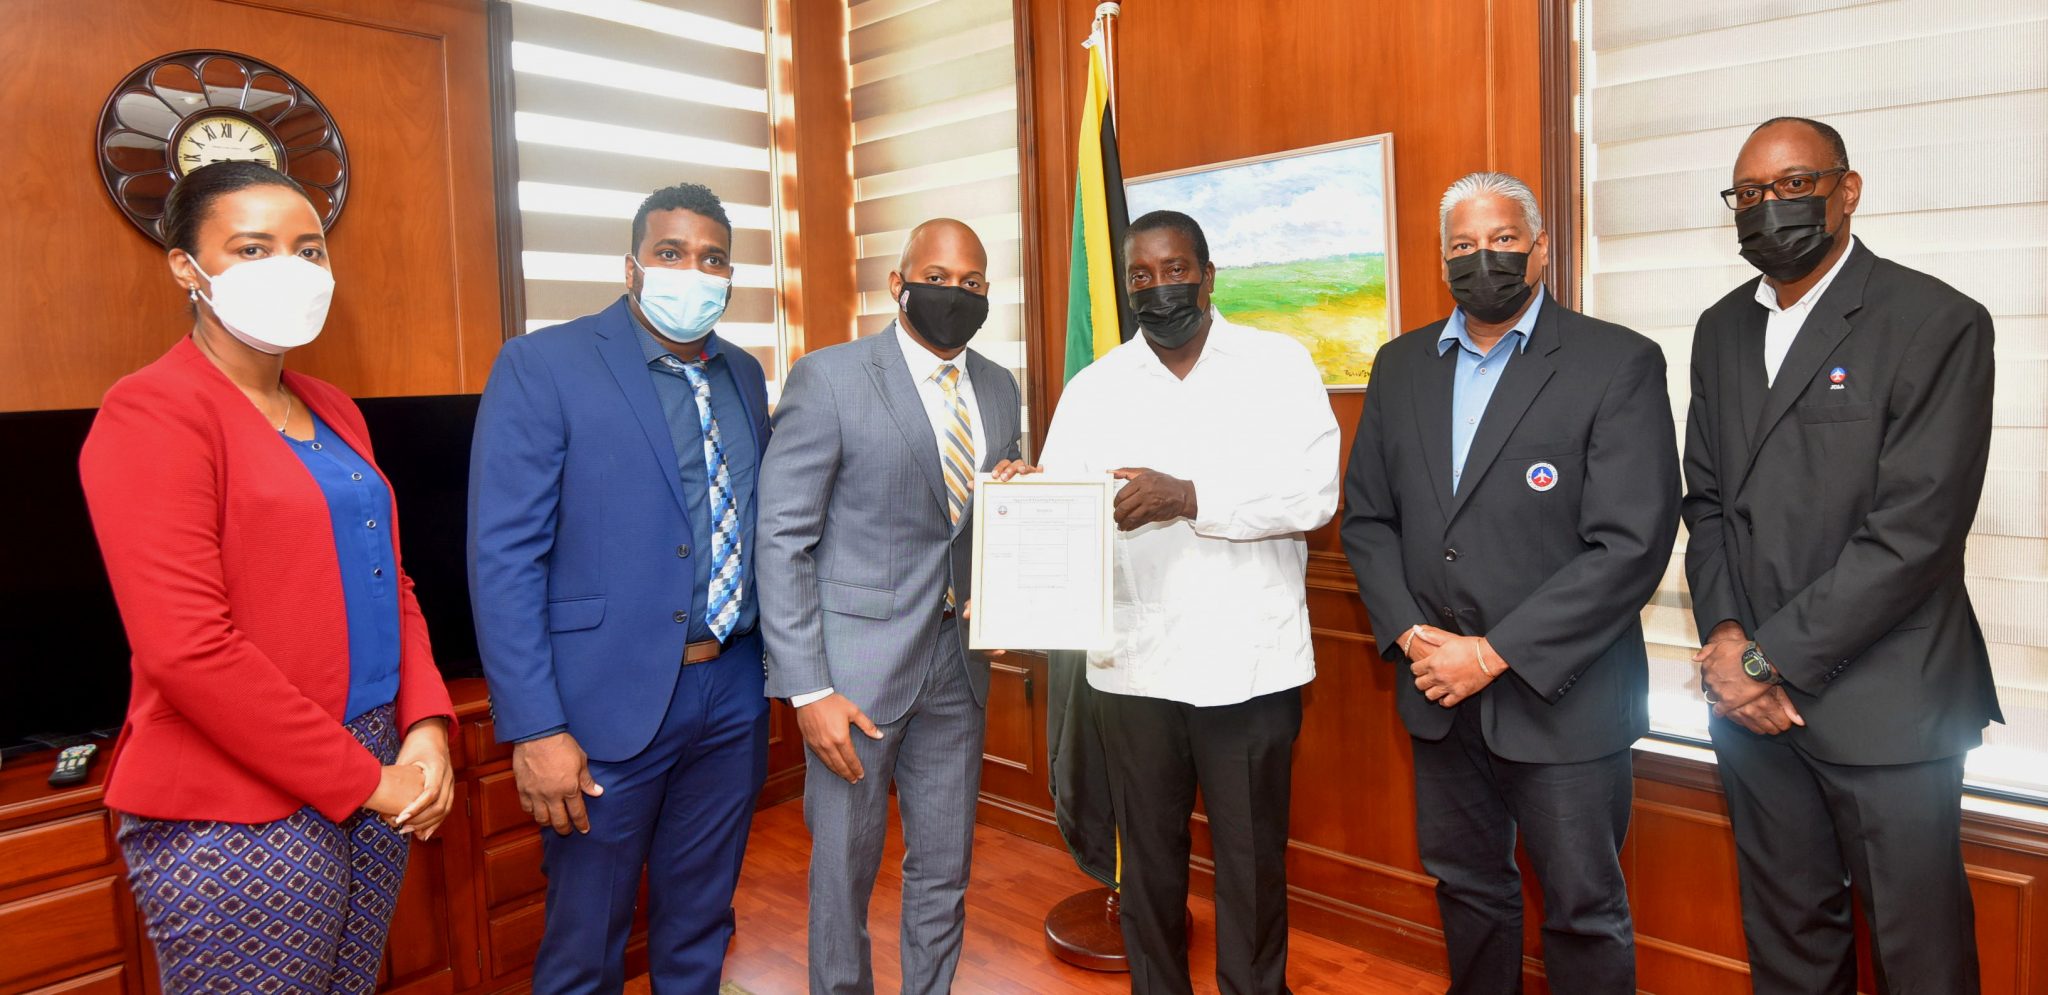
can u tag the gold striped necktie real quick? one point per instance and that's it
(957, 456)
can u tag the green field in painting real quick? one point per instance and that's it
(1336, 306)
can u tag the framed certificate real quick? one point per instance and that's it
(1043, 569)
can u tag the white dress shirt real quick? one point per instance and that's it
(1211, 610)
(923, 364)
(1784, 323)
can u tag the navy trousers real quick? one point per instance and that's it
(1470, 805)
(679, 811)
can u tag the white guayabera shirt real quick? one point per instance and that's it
(1211, 610)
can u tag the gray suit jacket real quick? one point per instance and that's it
(853, 550)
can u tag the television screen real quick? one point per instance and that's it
(422, 445)
(62, 651)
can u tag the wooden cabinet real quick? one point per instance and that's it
(66, 921)
(469, 915)
(1015, 778)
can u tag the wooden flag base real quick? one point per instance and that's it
(1086, 930)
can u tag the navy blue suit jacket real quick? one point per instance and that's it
(580, 559)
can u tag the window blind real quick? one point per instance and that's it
(1944, 107)
(935, 135)
(615, 99)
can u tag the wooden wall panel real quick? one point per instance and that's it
(87, 297)
(816, 167)
(1458, 83)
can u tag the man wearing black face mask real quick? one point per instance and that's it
(863, 572)
(1510, 505)
(1225, 440)
(1837, 442)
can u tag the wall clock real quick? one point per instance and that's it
(178, 112)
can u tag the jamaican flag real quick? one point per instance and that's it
(1098, 316)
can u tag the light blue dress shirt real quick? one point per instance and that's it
(1478, 373)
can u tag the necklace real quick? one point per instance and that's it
(280, 424)
(287, 420)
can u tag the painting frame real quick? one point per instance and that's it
(1385, 216)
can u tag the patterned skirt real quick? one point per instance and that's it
(301, 905)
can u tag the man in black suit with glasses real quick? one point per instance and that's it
(1839, 431)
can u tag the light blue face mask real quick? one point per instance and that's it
(681, 304)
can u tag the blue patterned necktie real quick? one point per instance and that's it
(722, 601)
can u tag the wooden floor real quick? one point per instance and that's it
(1015, 882)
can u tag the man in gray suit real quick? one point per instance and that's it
(862, 566)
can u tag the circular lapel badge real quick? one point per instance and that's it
(1541, 477)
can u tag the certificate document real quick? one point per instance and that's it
(1043, 567)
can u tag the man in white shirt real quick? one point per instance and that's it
(1225, 440)
(862, 565)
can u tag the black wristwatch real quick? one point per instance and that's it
(1758, 668)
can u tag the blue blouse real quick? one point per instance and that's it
(359, 507)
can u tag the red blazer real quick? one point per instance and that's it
(221, 554)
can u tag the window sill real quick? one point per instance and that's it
(1692, 765)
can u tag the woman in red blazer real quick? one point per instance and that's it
(287, 727)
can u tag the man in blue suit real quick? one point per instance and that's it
(611, 517)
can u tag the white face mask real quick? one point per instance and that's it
(681, 304)
(273, 305)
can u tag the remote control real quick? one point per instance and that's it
(72, 764)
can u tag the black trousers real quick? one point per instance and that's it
(1469, 804)
(1805, 829)
(1242, 757)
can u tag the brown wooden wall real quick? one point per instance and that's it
(819, 292)
(85, 297)
(1457, 83)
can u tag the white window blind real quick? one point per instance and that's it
(935, 135)
(1944, 107)
(615, 99)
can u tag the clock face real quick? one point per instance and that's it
(181, 111)
(211, 138)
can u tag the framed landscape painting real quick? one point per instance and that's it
(1303, 245)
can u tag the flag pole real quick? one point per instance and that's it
(1106, 14)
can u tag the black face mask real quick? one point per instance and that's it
(944, 316)
(1785, 239)
(1168, 314)
(1490, 285)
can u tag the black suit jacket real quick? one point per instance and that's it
(1555, 579)
(1829, 517)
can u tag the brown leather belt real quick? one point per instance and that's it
(707, 650)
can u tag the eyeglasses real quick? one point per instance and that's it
(1791, 187)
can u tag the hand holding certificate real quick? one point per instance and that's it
(1043, 572)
